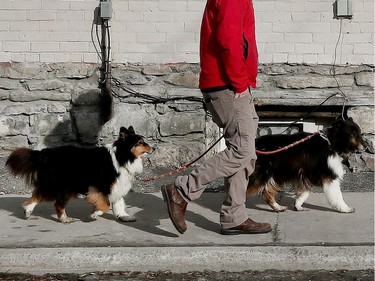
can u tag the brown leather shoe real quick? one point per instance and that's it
(248, 227)
(176, 206)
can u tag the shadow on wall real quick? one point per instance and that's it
(92, 109)
(83, 123)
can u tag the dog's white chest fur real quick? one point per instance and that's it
(122, 186)
(136, 167)
(125, 179)
(335, 164)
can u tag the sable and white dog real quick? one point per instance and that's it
(315, 162)
(104, 175)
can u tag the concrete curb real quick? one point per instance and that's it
(184, 259)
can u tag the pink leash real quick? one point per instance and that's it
(183, 168)
(286, 147)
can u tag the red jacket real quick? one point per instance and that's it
(228, 51)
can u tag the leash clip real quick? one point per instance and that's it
(324, 136)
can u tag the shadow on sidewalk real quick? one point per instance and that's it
(285, 199)
(154, 209)
(150, 209)
(78, 208)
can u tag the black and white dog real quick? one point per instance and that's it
(103, 174)
(315, 162)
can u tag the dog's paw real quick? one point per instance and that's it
(95, 215)
(282, 209)
(128, 218)
(279, 208)
(299, 208)
(27, 214)
(347, 210)
(68, 220)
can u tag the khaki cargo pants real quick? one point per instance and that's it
(239, 121)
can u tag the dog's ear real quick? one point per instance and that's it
(336, 126)
(350, 119)
(124, 133)
(338, 123)
(131, 130)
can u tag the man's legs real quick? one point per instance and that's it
(233, 211)
(238, 119)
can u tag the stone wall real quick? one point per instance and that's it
(44, 105)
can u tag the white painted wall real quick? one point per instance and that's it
(165, 31)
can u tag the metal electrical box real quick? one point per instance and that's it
(342, 9)
(106, 9)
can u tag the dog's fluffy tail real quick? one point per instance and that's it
(20, 163)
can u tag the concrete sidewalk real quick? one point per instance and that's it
(318, 238)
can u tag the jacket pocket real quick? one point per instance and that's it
(245, 47)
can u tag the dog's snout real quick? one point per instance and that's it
(152, 149)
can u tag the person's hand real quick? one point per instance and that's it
(242, 94)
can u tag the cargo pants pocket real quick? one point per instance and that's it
(215, 105)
